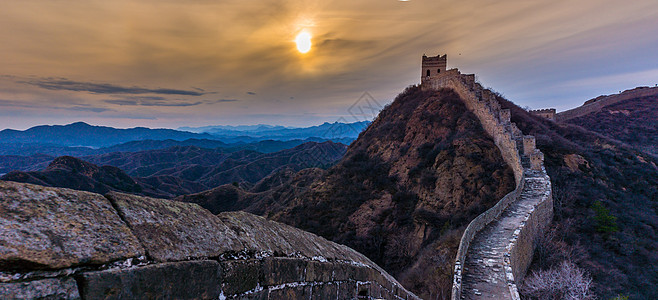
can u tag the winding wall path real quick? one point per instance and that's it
(496, 248)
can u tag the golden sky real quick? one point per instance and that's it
(201, 62)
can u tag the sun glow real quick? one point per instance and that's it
(303, 41)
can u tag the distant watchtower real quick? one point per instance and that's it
(433, 67)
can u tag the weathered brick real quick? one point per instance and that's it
(241, 276)
(292, 293)
(177, 280)
(52, 288)
(278, 270)
(319, 271)
(325, 291)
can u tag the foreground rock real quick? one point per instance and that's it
(48, 228)
(63, 244)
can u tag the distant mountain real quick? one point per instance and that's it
(173, 171)
(30, 157)
(214, 167)
(78, 139)
(632, 120)
(70, 172)
(27, 149)
(248, 128)
(327, 131)
(33, 162)
(83, 134)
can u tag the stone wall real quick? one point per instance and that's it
(598, 103)
(547, 113)
(64, 244)
(522, 245)
(484, 105)
(510, 140)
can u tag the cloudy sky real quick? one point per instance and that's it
(170, 63)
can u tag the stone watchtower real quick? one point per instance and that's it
(433, 66)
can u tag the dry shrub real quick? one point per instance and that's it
(565, 281)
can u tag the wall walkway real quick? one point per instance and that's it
(497, 246)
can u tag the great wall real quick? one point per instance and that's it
(496, 248)
(63, 244)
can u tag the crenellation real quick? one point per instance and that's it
(469, 80)
(536, 160)
(505, 115)
(548, 113)
(516, 132)
(528, 145)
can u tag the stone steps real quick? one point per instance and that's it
(484, 276)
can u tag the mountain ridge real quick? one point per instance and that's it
(175, 171)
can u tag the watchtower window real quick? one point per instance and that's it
(438, 71)
(428, 73)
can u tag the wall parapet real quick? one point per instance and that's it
(81, 245)
(515, 148)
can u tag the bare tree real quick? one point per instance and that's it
(565, 281)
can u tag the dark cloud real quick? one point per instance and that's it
(79, 107)
(137, 98)
(122, 102)
(104, 88)
(159, 101)
(151, 102)
(87, 108)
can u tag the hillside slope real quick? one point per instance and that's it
(606, 205)
(175, 171)
(402, 194)
(633, 121)
(71, 172)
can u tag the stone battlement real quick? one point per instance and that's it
(547, 113)
(58, 243)
(512, 224)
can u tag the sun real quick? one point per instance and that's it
(303, 41)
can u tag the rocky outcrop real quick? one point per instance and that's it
(65, 244)
(45, 228)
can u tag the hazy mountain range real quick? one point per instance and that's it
(326, 130)
(81, 134)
